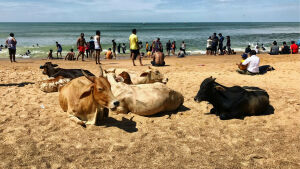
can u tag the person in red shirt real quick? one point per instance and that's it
(294, 48)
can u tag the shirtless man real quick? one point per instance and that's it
(70, 55)
(81, 44)
(158, 59)
(98, 47)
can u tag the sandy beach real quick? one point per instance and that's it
(36, 133)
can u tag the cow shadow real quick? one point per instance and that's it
(182, 108)
(270, 110)
(16, 84)
(125, 124)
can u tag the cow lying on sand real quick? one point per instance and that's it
(87, 99)
(233, 102)
(144, 99)
(61, 77)
(148, 76)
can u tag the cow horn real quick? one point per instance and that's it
(101, 71)
(87, 76)
(149, 67)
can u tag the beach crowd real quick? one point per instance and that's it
(92, 48)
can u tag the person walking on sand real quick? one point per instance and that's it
(11, 43)
(59, 49)
(98, 47)
(81, 44)
(134, 47)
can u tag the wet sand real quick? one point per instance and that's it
(36, 133)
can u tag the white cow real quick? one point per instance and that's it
(144, 99)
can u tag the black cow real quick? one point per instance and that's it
(51, 71)
(233, 102)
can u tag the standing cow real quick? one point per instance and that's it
(86, 99)
(232, 102)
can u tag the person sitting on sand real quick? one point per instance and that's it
(158, 59)
(252, 64)
(50, 56)
(109, 54)
(248, 49)
(240, 65)
(70, 55)
(294, 48)
(180, 53)
(285, 49)
(81, 43)
(274, 49)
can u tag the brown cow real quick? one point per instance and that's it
(86, 98)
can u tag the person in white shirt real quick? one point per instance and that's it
(252, 64)
(208, 46)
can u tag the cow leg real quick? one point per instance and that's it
(77, 120)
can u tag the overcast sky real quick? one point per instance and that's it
(150, 10)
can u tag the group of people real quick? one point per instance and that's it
(215, 45)
(284, 49)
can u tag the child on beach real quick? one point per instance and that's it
(109, 54)
(50, 56)
(240, 65)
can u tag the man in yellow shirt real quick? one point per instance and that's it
(134, 47)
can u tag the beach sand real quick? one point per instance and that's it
(36, 133)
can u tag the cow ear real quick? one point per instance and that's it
(54, 65)
(101, 71)
(220, 88)
(145, 74)
(87, 91)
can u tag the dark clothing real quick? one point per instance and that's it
(119, 49)
(247, 50)
(286, 50)
(168, 46)
(12, 51)
(154, 64)
(59, 48)
(158, 47)
(135, 53)
(114, 46)
(92, 45)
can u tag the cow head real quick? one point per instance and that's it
(206, 88)
(153, 75)
(48, 68)
(101, 91)
(125, 77)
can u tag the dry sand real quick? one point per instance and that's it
(36, 133)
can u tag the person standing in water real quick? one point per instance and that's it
(59, 49)
(114, 46)
(81, 44)
(168, 47)
(11, 43)
(134, 47)
(98, 47)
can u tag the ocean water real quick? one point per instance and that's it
(194, 34)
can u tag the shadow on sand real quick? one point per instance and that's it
(269, 111)
(182, 108)
(125, 124)
(16, 84)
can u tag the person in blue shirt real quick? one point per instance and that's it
(221, 39)
(59, 49)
